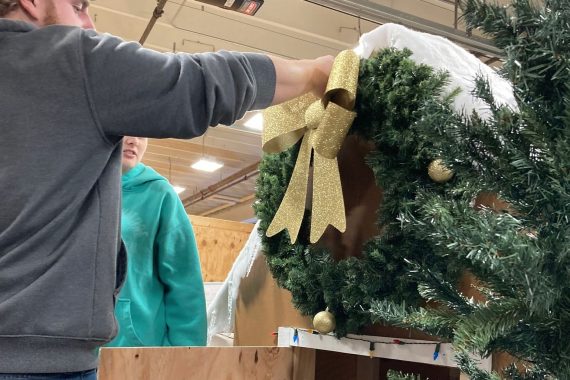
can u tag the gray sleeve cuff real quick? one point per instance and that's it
(265, 79)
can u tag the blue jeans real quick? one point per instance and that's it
(85, 375)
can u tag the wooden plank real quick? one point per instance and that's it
(417, 351)
(304, 360)
(335, 365)
(219, 243)
(262, 307)
(367, 368)
(196, 363)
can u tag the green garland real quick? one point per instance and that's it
(392, 92)
(395, 375)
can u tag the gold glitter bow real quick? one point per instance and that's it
(323, 125)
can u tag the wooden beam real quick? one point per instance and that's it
(185, 164)
(216, 209)
(240, 176)
(226, 198)
(173, 167)
(199, 148)
(194, 154)
(190, 179)
(180, 169)
(229, 205)
(239, 212)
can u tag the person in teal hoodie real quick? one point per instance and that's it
(162, 302)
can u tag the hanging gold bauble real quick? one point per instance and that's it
(324, 322)
(438, 172)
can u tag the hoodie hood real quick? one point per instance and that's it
(139, 175)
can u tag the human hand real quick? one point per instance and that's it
(297, 77)
(322, 67)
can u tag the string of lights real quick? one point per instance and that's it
(372, 342)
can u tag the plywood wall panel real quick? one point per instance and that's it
(219, 244)
(198, 363)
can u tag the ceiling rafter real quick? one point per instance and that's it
(240, 176)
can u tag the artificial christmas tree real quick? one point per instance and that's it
(520, 255)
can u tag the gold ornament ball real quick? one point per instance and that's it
(438, 172)
(324, 322)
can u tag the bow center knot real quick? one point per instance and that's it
(314, 115)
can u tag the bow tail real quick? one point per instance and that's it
(328, 203)
(290, 213)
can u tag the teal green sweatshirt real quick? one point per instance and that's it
(162, 302)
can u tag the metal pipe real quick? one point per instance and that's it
(156, 14)
(456, 14)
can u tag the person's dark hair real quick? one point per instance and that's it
(6, 6)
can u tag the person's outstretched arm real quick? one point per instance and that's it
(134, 91)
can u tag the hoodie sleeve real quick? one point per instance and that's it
(135, 91)
(179, 270)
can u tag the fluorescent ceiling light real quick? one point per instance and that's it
(207, 165)
(178, 189)
(255, 122)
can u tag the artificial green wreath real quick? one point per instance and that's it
(519, 152)
(392, 93)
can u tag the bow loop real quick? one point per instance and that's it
(343, 81)
(284, 124)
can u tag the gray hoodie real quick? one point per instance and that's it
(66, 97)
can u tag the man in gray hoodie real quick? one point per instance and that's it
(68, 95)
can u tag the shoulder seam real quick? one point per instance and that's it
(87, 90)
